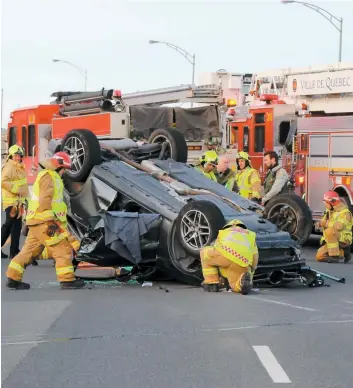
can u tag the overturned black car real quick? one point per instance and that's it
(141, 205)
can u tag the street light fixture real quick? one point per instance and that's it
(327, 15)
(189, 57)
(82, 71)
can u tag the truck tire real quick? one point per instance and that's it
(195, 218)
(83, 147)
(291, 214)
(178, 149)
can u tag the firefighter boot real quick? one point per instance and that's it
(347, 255)
(334, 259)
(15, 285)
(211, 287)
(75, 284)
(245, 283)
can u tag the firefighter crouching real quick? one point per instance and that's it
(248, 179)
(234, 256)
(207, 164)
(337, 225)
(46, 221)
(225, 175)
(14, 194)
(276, 179)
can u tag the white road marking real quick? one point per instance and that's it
(270, 363)
(282, 303)
(348, 301)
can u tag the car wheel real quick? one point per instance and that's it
(291, 214)
(177, 148)
(83, 147)
(198, 225)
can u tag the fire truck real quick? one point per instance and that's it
(108, 115)
(306, 116)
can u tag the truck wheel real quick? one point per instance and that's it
(198, 225)
(177, 148)
(83, 147)
(291, 214)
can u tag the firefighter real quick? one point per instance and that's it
(14, 195)
(248, 179)
(337, 225)
(46, 221)
(207, 164)
(213, 144)
(234, 256)
(276, 179)
(225, 175)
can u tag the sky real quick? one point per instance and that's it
(110, 38)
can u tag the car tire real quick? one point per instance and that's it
(211, 217)
(176, 140)
(299, 212)
(82, 162)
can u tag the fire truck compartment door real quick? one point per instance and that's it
(318, 180)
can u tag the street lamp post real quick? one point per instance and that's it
(189, 57)
(335, 21)
(82, 71)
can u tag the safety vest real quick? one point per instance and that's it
(243, 182)
(338, 216)
(237, 245)
(210, 175)
(59, 208)
(11, 198)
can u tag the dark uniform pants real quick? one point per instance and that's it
(12, 227)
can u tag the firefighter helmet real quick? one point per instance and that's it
(61, 160)
(16, 150)
(243, 155)
(209, 157)
(234, 223)
(331, 197)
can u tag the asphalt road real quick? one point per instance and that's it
(141, 337)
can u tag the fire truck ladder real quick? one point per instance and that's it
(206, 94)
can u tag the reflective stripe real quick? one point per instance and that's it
(55, 240)
(45, 254)
(210, 271)
(16, 267)
(20, 182)
(332, 245)
(64, 270)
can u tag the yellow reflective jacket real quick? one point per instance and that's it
(249, 183)
(210, 175)
(237, 245)
(13, 179)
(56, 208)
(340, 219)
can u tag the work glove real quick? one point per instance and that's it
(21, 191)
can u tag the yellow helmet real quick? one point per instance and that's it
(209, 157)
(234, 223)
(245, 156)
(15, 149)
